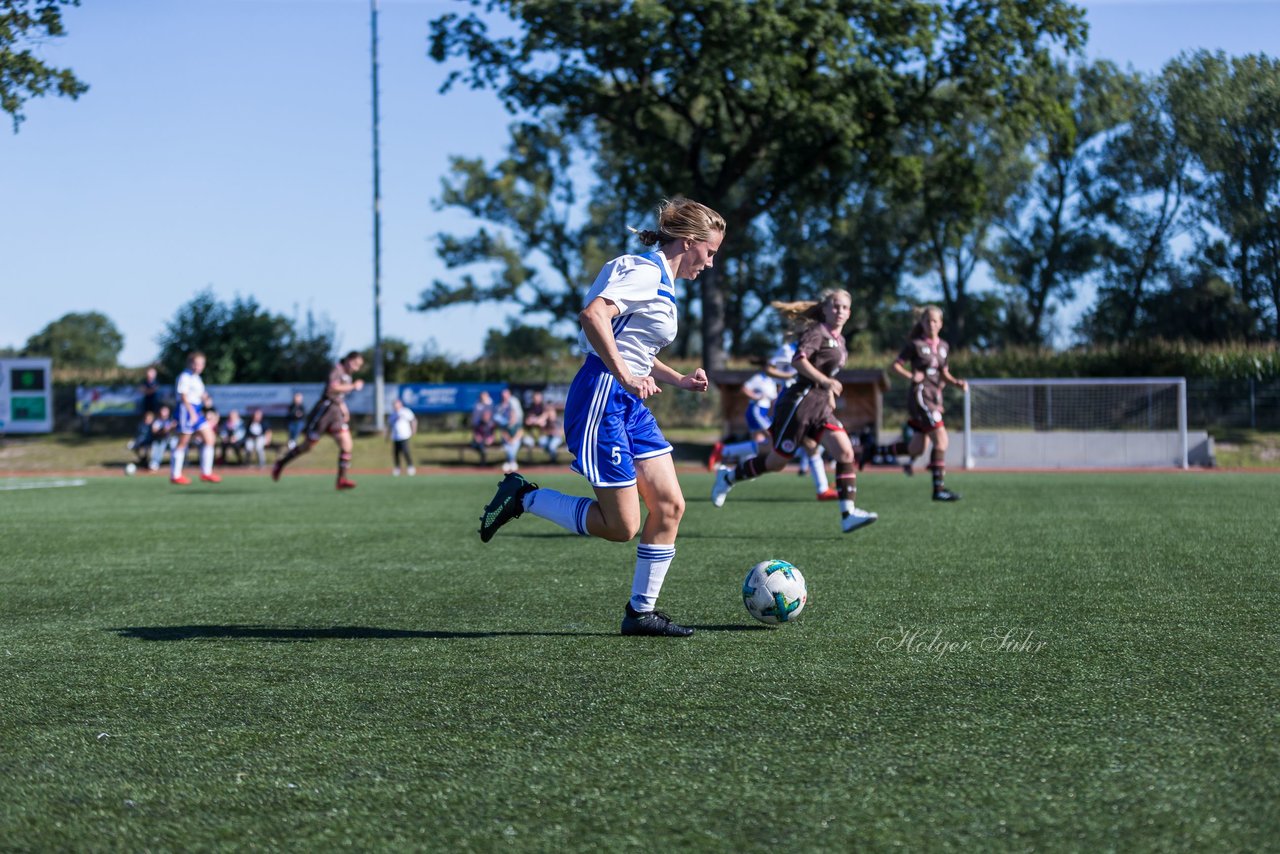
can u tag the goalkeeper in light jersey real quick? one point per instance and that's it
(923, 361)
(629, 316)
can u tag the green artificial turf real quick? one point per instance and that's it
(1058, 662)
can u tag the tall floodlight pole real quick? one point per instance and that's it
(379, 404)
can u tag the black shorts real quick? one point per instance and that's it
(801, 414)
(924, 409)
(326, 416)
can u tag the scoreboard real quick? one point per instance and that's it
(26, 395)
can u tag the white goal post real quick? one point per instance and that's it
(1136, 422)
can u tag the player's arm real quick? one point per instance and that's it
(597, 324)
(806, 369)
(346, 388)
(696, 381)
(900, 368)
(946, 375)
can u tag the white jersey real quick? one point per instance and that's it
(762, 389)
(190, 388)
(642, 288)
(781, 360)
(402, 426)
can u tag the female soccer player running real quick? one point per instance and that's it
(806, 410)
(923, 361)
(330, 415)
(630, 315)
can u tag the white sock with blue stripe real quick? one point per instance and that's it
(567, 511)
(652, 563)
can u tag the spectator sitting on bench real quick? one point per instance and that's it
(542, 427)
(231, 437)
(483, 433)
(140, 444)
(164, 436)
(257, 438)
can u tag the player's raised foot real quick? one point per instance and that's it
(276, 470)
(828, 494)
(507, 504)
(343, 483)
(211, 478)
(857, 518)
(724, 483)
(717, 454)
(180, 480)
(946, 495)
(907, 469)
(652, 623)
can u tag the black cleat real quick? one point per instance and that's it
(505, 506)
(654, 623)
(946, 495)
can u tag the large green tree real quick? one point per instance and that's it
(1052, 238)
(80, 339)
(971, 163)
(243, 343)
(24, 24)
(1140, 191)
(1227, 110)
(744, 106)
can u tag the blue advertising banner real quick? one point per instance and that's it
(427, 398)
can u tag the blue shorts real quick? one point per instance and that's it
(186, 424)
(758, 418)
(607, 428)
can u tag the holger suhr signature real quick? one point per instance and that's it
(932, 642)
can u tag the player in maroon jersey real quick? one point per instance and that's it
(806, 409)
(923, 361)
(330, 415)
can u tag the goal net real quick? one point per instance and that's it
(1076, 423)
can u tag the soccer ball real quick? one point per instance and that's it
(774, 592)
(130, 469)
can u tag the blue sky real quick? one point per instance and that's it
(225, 144)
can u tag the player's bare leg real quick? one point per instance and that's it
(206, 455)
(659, 489)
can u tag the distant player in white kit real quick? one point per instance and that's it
(191, 420)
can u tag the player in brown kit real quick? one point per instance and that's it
(806, 410)
(330, 415)
(923, 361)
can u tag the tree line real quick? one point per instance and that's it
(905, 151)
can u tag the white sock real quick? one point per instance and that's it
(176, 459)
(206, 459)
(846, 506)
(567, 511)
(652, 563)
(740, 450)
(818, 472)
(513, 449)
